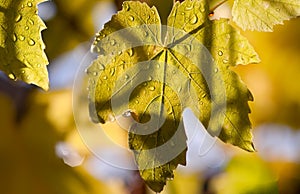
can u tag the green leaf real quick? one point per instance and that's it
(262, 15)
(21, 47)
(154, 72)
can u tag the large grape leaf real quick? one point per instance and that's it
(262, 15)
(154, 72)
(21, 47)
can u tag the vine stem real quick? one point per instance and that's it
(218, 5)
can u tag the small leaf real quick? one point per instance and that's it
(154, 72)
(262, 15)
(21, 47)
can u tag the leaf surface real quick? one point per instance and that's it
(21, 47)
(262, 15)
(153, 72)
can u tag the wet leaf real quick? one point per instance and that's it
(153, 72)
(21, 47)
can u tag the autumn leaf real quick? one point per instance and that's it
(262, 15)
(21, 47)
(153, 72)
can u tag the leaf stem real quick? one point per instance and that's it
(218, 5)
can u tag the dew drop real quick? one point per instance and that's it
(137, 102)
(95, 73)
(151, 88)
(26, 28)
(126, 76)
(112, 71)
(95, 49)
(15, 37)
(150, 78)
(130, 52)
(12, 76)
(105, 77)
(100, 66)
(145, 84)
(30, 21)
(220, 53)
(31, 42)
(131, 18)
(216, 70)
(22, 71)
(21, 37)
(194, 19)
(158, 66)
(182, 13)
(203, 95)
(29, 4)
(18, 18)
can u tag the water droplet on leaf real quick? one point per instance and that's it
(194, 19)
(29, 4)
(151, 88)
(30, 21)
(12, 76)
(105, 77)
(112, 71)
(21, 37)
(31, 42)
(131, 18)
(216, 70)
(15, 37)
(18, 18)
(130, 52)
(220, 53)
(26, 28)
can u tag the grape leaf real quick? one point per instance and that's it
(262, 15)
(21, 47)
(153, 72)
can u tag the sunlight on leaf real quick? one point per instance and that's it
(262, 15)
(162, 70)
(21, 47)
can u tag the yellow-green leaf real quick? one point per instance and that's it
(262, 15)
(153, 72)
(21, 47)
